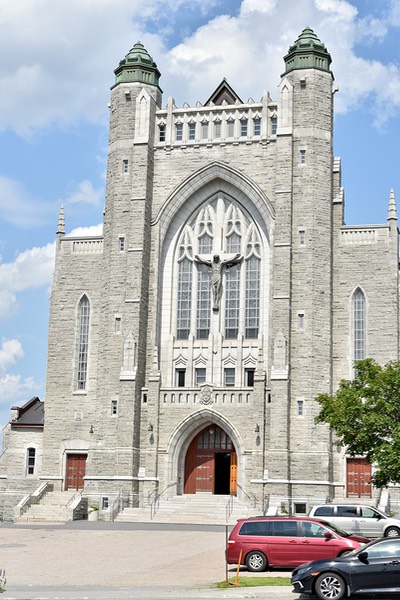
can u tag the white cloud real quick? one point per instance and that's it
(248, 50)
(14, 391)
(18, 207)
(31, 269)
(8, 304)
(61, 56)
(85, 194)
(10, 350)
(66, 78)
(92, 230)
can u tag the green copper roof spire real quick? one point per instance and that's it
(137, 66)
(308, 52)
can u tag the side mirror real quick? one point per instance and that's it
(363, 556)
(327, 535)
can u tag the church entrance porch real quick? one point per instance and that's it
(211, 463)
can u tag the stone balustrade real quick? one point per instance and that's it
(207, 396)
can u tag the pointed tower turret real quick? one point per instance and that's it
(61, 221)
(308, 52)
(392, 214)
(137, 66)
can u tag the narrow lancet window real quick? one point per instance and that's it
(83, 343)
(358, 325)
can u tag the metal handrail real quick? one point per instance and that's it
(115, 506)
(118, 503)
(72, 500)
(250, 495)
(229, 507)
(155, 504)
(266, 502)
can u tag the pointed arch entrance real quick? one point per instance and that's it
(211, 463)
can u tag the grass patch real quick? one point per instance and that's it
(256, 581)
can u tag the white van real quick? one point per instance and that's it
(355, 518)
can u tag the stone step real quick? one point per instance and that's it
(190, 509)
(51, 507)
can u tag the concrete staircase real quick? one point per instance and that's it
(53, 507)
(191, 509)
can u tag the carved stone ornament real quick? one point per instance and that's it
(206, 394)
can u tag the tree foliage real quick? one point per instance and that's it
(365, 416)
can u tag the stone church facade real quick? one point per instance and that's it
(187, 342)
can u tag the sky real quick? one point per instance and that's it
(57, 65)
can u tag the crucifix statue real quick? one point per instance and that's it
(217, 264)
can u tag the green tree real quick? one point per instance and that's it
(365, 416)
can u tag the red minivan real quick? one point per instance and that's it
(286, 542)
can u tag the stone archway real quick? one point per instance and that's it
(185, 434)
(211, 463)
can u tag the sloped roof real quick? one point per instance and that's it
(30, 414)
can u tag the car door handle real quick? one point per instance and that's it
(305, 542)
(292, 541)
(395, 562)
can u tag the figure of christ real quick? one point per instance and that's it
(217, 264)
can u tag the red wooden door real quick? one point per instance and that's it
(199, 470)
(358, 478)
(200, 461)
(205, 471)
(76, 469)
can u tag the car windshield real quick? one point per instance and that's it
(334, 528)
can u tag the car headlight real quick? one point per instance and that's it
(304, 570)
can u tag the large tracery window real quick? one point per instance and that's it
(219, 272)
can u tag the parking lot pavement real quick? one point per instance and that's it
(102, 560)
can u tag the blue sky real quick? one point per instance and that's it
(56, 69)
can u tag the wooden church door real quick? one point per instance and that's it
(358, 478)
(203, 472)
(76, 470)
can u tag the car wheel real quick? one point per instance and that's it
(392, 531)
(256, 561)
(330, 586)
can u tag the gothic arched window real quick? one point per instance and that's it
(219, 272)
(358, 325)
(83, 343)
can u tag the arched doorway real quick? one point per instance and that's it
(211, 463)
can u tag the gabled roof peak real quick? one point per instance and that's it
(224, 94)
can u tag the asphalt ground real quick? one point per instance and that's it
(120, 560)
